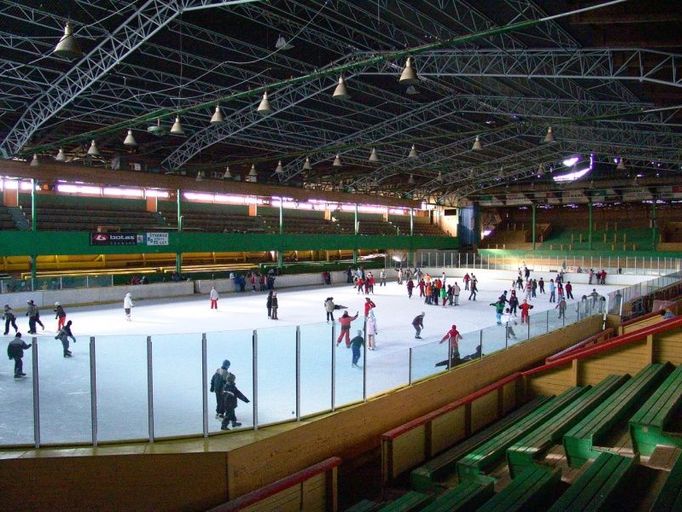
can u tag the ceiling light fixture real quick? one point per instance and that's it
(92, 150)
(67, 47)
(283, 44)
(279, 169)
(264, 106)
(413, 152)
(177, 129)
(34, 161)
(373, 156)
(227, 175)
(408, 75)
(61, 157)
(200, 176)
(549, 137)
(217, 116)
(253, 175)
(477, 145)
(156, 129)
(621, 165)
(337, 161)
(341, 93)
(411, 90)
(306, 165)
(130, 139)
(410, 180)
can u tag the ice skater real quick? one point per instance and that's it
(329, 307)
(552, 291)
(345, 322)
(410, 287)
(33, 314)
(371, 327)
(499, 309)
(473, 288)
(455, 293)
(274, 306)
(15, 350)
(569, 290)
(218, 382)
(356, 344)
(525, 309)
(452, 336)
(418, 324)
(508, 321)
(213, 296)
(10, 319)
(63, 335)
(268, 303)
(561, 306)
(369, 305)
(230, 396)
(59, 315)
(128, 305)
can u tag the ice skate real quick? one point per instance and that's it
(236, 424)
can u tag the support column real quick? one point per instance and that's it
(589, 226)
(533, 207)
(281, 217)
(356, 229)
(410, 254)
(178, 254)
(34, 226)
(653, 225)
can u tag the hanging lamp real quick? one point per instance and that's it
(61, 157)
(130, 139)
(306, 165)
(253, 175)
(156, 129)
(373, 156)
(477, 144)
(409, 75)
(34, 161)
(337, 161)
(413, 152)
(227, 175)
(264, 107)
(341, 93)
(549, 137)
(621, 165)
(410, 180)
(67, 47)
(279, 169)
(92, 150)
(217, 116)
(177, 129)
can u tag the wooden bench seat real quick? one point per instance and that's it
(600, 486)
(579, 441)
(670, 496)
(469, 495)
(489, 453)
(532, 490)
(647, 426)
(408, 502)
(527, 450)
(423, 478)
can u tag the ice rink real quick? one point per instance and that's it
(175, 328)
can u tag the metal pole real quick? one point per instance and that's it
(333, 367)
(178, 255)
(364, 366)
(254, 349)
(298, 373)
(150, 390)
(93, 390)
(589, 227)
(281, 217)
(480, 342)
(204, 381)
(533, 208)
(506, 335)
(409, 366)
(36, 393)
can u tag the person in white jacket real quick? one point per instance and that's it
(371, 330)
(128, 305)
(213, 295)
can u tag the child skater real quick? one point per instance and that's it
(230, 395)
(59, 315)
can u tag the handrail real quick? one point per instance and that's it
(278, 486)
(581, 344)
(624, 339)
(422, 420)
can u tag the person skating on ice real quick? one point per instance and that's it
(453, 337)
(10, 319)
(418, 324)
(561, 306)
(508, 321)
(268, 303)
(525, 311)
(369, 305)
(371, 330)
(329, 307)
(499, 309)
(275, 306)
(410, 287)
(15, 350)
(455, 293)
(33, 314)
(63, 335)
(59, 315)
(128, 305)
(230, 396)
(213, 296)
(218, 382)
(345, 322)
(356, 345)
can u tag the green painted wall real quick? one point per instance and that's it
(23, 243)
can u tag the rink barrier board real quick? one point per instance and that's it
(348, 433)
(592, 340)
(628, 353)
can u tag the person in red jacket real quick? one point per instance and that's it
(453, 336)
(345, 321)
(569, 290)
(525, 308)
(466, 280)
(369, 305)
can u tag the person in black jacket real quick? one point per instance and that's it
(15, 350)
(10, 319)
(218, 385)
(230, 396)
(63, 335)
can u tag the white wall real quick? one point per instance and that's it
(582, 278)
(285, 281)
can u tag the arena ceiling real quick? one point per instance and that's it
(607, 81)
